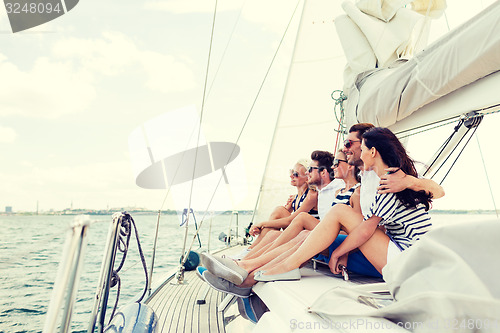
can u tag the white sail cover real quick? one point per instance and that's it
(387, 95)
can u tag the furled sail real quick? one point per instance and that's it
(454, 75)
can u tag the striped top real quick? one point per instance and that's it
(312, 212)
(344, 198)
(403, 225)
(301, 200)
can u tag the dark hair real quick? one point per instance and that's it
(325, 160)
(360, 128)
(394, 155)
(355, 170)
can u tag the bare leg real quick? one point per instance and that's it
(252, 264)
(250, 281)
(303, 221)
(258, 252)
(271, 258)
(278, 213)
(262, 239)
(340, 216)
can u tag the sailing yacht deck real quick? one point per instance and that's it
(192, 306)
(195, 307)
(189, 307)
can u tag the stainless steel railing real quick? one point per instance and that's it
(68, 277)
(102, 293)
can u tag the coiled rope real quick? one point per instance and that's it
(126, 222)
(339, 112)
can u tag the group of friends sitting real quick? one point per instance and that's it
(356, 210)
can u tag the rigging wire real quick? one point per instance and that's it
(225, 49)
(451, 120)
(459, 154)
(443, 146)
(487, 177)
(449, 155)
(199, 134)
(245, 123)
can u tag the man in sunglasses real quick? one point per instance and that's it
(393, 181)
(320, 179)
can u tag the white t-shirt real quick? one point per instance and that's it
(326, 196)
(369, 183)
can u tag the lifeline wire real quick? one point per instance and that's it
(199, 134)
(487, 178)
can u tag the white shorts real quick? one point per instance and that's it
(392, 251)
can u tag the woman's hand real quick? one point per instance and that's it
(255, 230)
(393, 181)
(335, 262)
(288, 204)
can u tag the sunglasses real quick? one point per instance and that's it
(294, 173)
(312, 168)
(348, 143)
(337, 161)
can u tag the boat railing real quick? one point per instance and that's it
(66, 285)
(118, 239)
(102, 293)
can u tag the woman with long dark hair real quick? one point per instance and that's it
(393, 223)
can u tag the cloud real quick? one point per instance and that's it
(115, 53)
(65, 82)
(7, 135)
(269, 15)
(165, 73)
(49, 90)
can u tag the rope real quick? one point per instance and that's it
(429, 129)
(443, 146)
(487, 177)
(339, 107)
(449, 155)
(226, 48)
(126, 222)
(198, 140)
(448, 121)
(459, 154)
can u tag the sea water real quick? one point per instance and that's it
(31, 249)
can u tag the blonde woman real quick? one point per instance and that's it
(305, 200)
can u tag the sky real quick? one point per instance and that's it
(74, 89)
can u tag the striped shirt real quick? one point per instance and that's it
(344, 198)
(403, 225)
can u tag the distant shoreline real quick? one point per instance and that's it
(173, 212)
